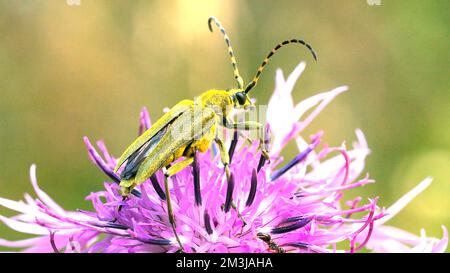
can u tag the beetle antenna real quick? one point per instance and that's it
(237, 76)
(271, 53)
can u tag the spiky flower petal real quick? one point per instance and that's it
(295, 204)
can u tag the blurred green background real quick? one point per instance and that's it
(67, 71)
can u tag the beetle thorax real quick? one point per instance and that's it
(219, 100)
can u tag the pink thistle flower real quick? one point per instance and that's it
(294, 206)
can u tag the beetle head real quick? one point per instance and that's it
(241, 99)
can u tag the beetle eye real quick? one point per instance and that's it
(241, 98)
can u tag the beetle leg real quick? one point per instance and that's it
(168, 173)
(250, 125)
(244, 125)
(126, 186)
(264, 140)
(244, 223)
(224, 156)
(246, 137)
(226, 161)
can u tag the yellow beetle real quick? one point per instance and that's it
(188, 127)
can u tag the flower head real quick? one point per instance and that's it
(266, 206)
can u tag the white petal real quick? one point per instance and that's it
(47, 200)
(18, 206)
(24, 227)
(323, 98)
(293, 77)
(22, 243)
(279, 80)
(362, 142)
(30, 213)
(402, 202)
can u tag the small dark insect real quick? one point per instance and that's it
(271, 243)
